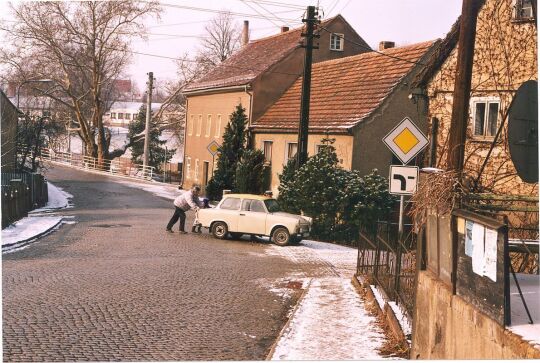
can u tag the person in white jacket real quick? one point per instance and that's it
(184, 202)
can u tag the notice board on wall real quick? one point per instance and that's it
(480, 270)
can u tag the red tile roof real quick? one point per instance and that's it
(343, 91)
(251, 60)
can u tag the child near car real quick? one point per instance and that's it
(196, 224)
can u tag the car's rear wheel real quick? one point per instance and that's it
(220, 230)
(281, 236)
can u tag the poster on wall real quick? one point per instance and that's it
(478, 249)
(468, 237)
(490, 254)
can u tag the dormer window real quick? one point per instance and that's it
(523, 10)
(336, 41)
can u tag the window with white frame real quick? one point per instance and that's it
(218, 126)
(199, 125)
(485, 113)
(292, 149)
(267, 151)
(318, 148)
(523, 10)
(336, 41)
(188, 167)
(196, 169)
(113, 115)
(208, 125)
(120, 116)
(191, 125)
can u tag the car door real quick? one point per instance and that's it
(229, 211)
(252, 217)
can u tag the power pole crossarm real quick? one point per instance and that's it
(148, 119)
(303, 128)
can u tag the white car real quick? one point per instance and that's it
(257, 215)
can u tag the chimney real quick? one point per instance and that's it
(245, 33)
(284, 29)
(385, 44)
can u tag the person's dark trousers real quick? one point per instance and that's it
(178, 213)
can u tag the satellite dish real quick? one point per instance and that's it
(523, 131)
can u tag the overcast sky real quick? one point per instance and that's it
(401, 21)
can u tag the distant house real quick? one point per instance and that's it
(355, 100)
(255, 76)
(121, 113)
(8, 117)
(505, 56)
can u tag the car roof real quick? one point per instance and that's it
(247, 196)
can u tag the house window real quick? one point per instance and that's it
(208, 125)
(486, 114)
(319, 147)
(191, 125)
(199, 125)
(113, 115)
(292, 148)
(267, 150)
(218, 126)
(120, 116)
(197, 169)
(523, 10)
(336, 41)
(188, 167)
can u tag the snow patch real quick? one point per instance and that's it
(530, 287)
(58, 199)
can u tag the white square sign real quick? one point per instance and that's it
(403, 179)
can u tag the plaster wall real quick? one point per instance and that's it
(447, 327)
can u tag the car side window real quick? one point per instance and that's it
(245, 204)
(231, 203)
(257, 206)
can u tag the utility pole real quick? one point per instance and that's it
(148, 118)
(303, 129)
(462, 85)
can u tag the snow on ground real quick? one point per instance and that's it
(530, 287)
(330, 322)
(167, 191)
(39, 221)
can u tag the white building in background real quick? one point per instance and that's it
(122, 113)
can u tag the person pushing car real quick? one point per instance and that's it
(184, 202)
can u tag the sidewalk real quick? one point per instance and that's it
(39, 221)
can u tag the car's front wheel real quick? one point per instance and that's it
(281, 236)
(220, 230)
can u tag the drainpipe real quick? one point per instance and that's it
(249, 138)
(185, 141)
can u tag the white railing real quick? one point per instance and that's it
(116, 167)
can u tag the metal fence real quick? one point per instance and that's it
(388, 262)
(21, 192)
(118, 166)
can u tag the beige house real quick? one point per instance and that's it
(355, 100)
(255, 77)
(505, 56)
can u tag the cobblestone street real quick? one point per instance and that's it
(116, 286)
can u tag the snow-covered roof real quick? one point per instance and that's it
(131, 106)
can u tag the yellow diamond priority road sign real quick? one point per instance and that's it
(406, 140)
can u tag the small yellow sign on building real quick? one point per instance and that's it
(406, 140)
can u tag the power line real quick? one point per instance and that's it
(258, 12)
(276, 3)
(368, 48)
(222, 11)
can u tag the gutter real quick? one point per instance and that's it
(250, 139)
(215, 90)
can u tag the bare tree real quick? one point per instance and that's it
(83, 47)
(221, 41)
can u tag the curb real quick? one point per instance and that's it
(26, 241)
(288, 323)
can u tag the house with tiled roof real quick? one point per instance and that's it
(255, 77)
(355, 100)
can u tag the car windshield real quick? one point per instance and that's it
(272, 205)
